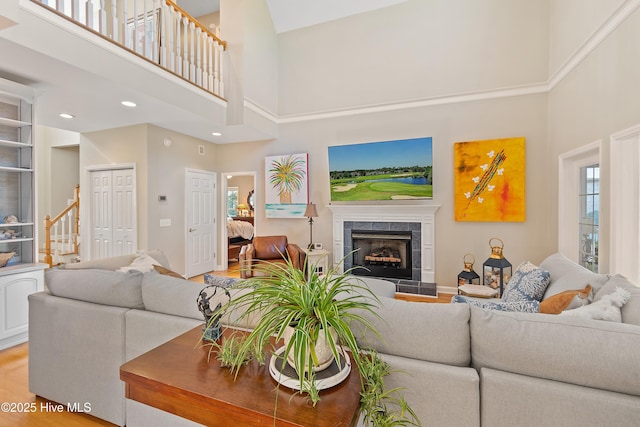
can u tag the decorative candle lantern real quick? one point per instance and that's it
(468, 276)
(496, 269)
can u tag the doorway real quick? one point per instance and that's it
(245, 182)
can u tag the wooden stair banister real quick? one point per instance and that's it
(49, 223)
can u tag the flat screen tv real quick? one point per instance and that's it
(388, 170)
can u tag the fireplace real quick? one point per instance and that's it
(388, 249)
(382, 253)
(418, 219)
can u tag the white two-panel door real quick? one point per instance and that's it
(113, 213)
(200, 221)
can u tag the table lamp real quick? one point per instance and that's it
(311, 212)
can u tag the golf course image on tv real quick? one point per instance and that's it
(388, 170)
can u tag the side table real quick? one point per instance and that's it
(317, 260)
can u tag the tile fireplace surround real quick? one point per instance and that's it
(422, 214)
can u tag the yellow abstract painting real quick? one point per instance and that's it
(489, 180)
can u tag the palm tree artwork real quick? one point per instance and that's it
(287, 176)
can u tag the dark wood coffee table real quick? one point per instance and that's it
(176, 377)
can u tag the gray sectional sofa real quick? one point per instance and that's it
(459, 365)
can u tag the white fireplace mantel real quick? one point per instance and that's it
(423, 214)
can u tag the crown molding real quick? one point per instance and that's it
(600, 34)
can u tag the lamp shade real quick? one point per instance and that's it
(311, 211)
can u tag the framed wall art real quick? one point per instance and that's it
(386, 170)
(489, 180)
(286, 185)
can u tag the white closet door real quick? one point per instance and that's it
(101, 209)
(113, 213)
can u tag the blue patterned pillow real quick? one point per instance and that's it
(224, 281)
(524, 306)
(528, 283)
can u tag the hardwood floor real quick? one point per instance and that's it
(14, 390)
(14, 380)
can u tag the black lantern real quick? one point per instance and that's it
(496, 269)
(468, 276)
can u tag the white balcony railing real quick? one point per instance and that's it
(157, 30)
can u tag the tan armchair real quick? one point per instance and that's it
(268, 249)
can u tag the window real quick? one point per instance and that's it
(589, 200)
(579, 231)
(232, 201)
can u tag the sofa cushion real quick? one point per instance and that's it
(379, 287)
(116, 262)
(178, 297)
(584, 352)
(631, 310)
(109, 263)
(558, 265)
(97, 286)
(432, 332)
(170, 295)
(576, 280)
(527, 283)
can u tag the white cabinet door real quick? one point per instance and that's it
(113, 213)
(14, 290)
(200, 222)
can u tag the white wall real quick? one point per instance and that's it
(110, 147)
(166, 176)
(598, 98)
(414, 50)
(572, 22)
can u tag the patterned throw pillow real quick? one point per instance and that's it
(528, 283)
(524, 306)
(225, 282)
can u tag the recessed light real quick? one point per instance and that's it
(67, 116)
(128, 103)
(216, 134)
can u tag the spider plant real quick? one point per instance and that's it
(382, 407)
(308, 309)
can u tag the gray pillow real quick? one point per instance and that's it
(575, 280)
(97, 286)
(170, 295)
(558, 265)
(631, 310)
(178, 297)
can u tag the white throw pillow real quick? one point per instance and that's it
(143, 263)
(607, 308)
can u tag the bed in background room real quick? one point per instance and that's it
(239, 233)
